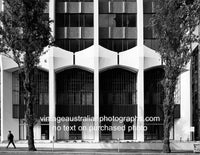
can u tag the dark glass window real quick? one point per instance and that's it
(148, 33)
(128, 134)
(106, 134)
(153, 99)
(103, 6)
(74, 45)
(119, 20)
(118, 45)
(88, 43)
(75, 134)
(74, 20)
(74, 0)
(131, 43)
(117, 86)
(149, 36)
(131, 20)
(149, 6)
(75, 87)
(88, 20)
(44, 130)
(87, 0)
(85, 43)
(60, 19)
(147, 18)
(111, 35)
(40, 94)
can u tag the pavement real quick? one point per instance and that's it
(40, 151)
(64, 148)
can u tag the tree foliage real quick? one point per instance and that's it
(25, 31)
(175, 23)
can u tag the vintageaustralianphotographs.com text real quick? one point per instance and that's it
(101, 119)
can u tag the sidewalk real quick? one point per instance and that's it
(41, 151)
(86, 148)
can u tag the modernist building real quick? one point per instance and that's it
(104, 64)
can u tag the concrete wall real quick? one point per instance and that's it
(85, 58)
(183, 124)
(7, 121)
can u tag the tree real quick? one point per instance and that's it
(24, 33)
(174, 23)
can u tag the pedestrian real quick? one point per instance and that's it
(10, 139)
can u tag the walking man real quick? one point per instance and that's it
(10, 139)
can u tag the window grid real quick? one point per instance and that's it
(75, 87)
(111, 18)
(40, 84)
(77, 19)
(117, 87)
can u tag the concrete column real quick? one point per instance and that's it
(52, 97)
(52, 85)
(52, 9)
(96, 69)
(140, 74)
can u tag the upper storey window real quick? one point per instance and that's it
(74, 24)
(117, 24)
(149, 35)
(117, 20)
(74, 20)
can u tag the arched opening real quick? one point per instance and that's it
(74, 91)
(117, 101)
(153, 101)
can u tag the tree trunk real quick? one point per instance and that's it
(168, 108)
(166, 141)
(31, 145)
(28, 77)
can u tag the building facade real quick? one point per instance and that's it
(103, 66)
